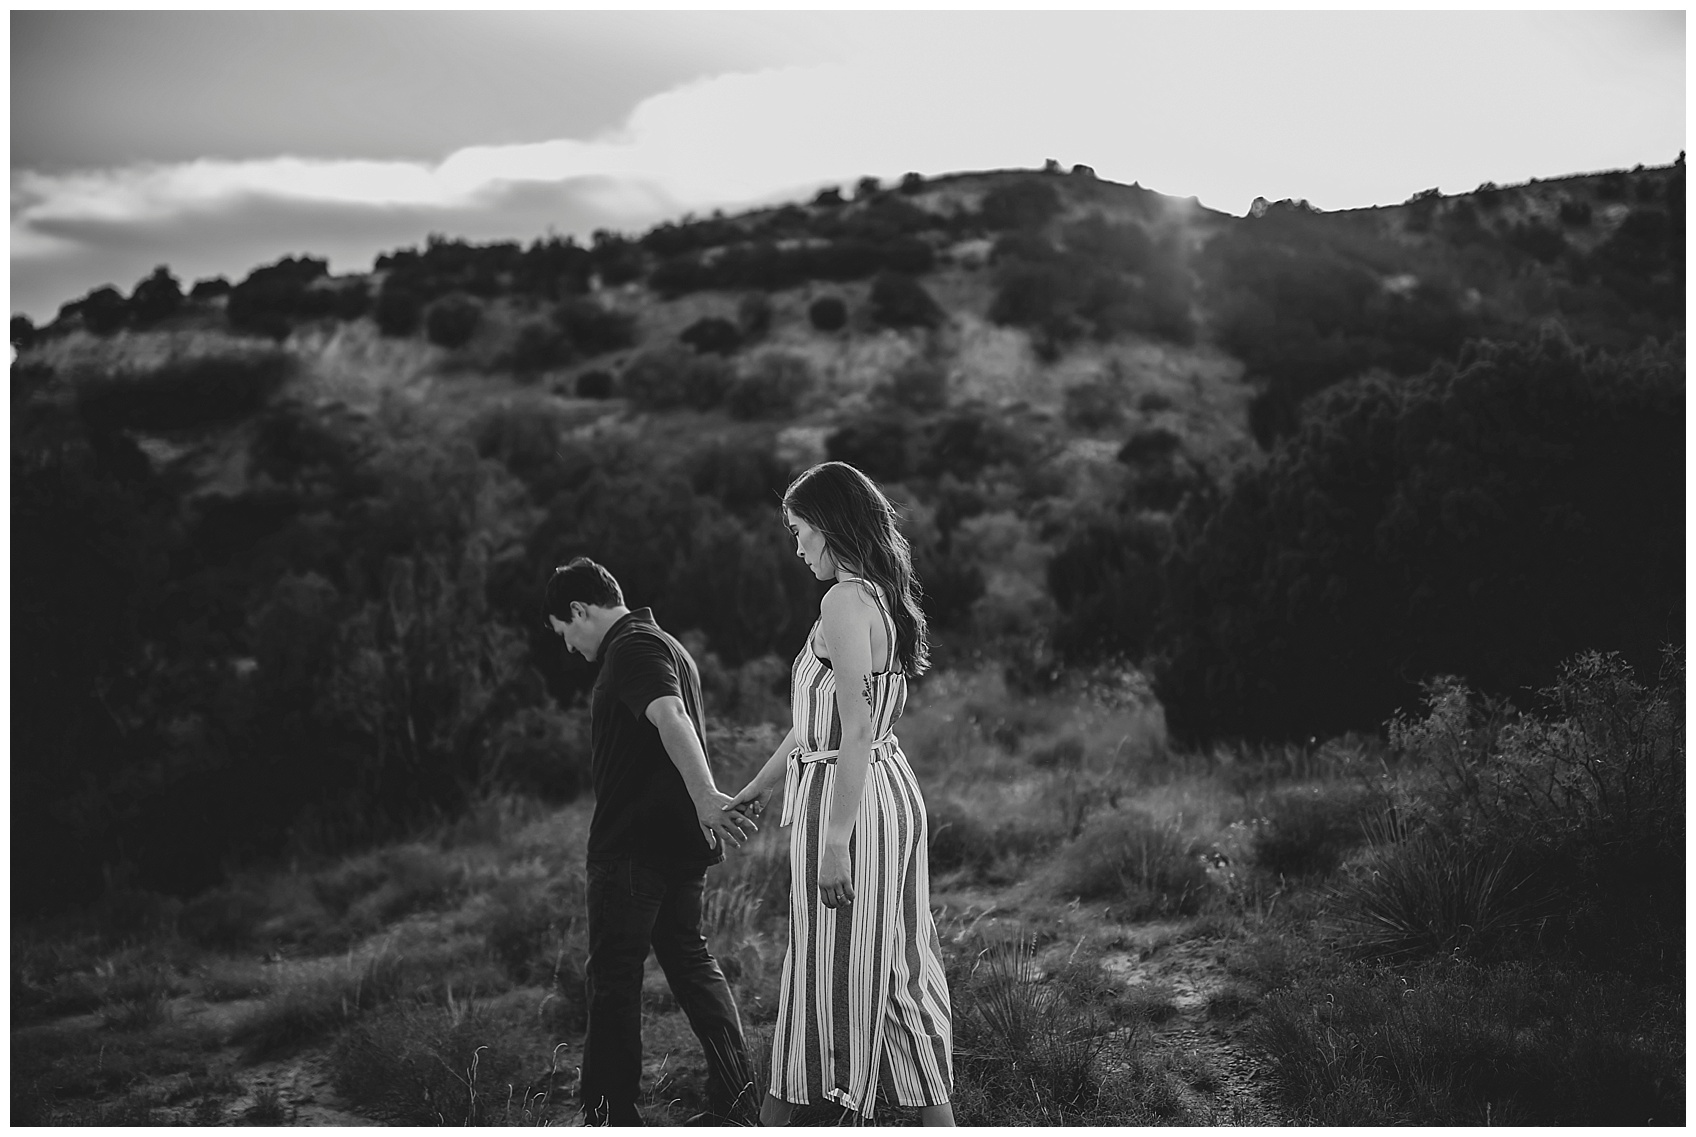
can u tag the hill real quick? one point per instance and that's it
(1295, 581)
(254, 519)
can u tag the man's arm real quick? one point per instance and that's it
(683, 747)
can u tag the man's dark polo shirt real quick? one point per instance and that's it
(642, 806)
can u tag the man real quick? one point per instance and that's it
(659, 821)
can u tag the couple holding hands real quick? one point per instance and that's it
(863, 1014)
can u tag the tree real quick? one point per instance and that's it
(828, 313)
(712, 334)
(156, 297)
(1487, 518)
(899, 301)
(451, 321)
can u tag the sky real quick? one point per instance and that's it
(215, 142)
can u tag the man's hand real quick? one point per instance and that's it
(836, 876)
(752, 801)
(717, 820)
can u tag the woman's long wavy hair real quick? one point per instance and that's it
(858, 526)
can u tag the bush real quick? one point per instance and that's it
(594, 385)
(274, 296)
(753, 315)
(1022, 204)
(1586, 798)
(912, 183)
(880, 446)
(828, 313)
(1092, 405)
(539, 345)
(1020, 1035)
(452, 1065)
(594, 329)
(209, 288)
(920, 386)
(186, 392)
(1154, 445)
(1108, 589)
(830, 197)
(1391, 540)
(1310, 829)
(156, 297)
(673, 376)
(773, 388)
(398, 309)
(712, 334)
(103, 310)
(653, 380)
(23, 332)
(1150, 866)
(451, 321)
(1448, 1043)
(899, 301)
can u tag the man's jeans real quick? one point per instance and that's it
(634, 906)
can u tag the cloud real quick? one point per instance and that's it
(1345, 109)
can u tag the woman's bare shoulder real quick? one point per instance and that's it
(849, 598)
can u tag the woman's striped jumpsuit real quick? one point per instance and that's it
(864, 1006)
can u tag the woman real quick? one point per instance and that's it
(864, 1010)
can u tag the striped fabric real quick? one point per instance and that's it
(864, 1009)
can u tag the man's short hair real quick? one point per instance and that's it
(583, 581)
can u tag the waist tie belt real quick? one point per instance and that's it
(798, 758)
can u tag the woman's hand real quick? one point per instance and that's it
(753, 799)
(836, 876)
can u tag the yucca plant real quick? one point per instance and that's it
(1019, 1034)
(1429, 892)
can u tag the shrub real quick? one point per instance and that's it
(1108, 589)
(1147, 864)
(866, 188)
(1448, 1043)
(673, 376)
(1389, 540)
(828, 313)
(1311, 828)
(878, 445)
(156, 297)
(912, 183)
(1092, 405)
(539, 753)
(899, 301)
(1154, 445)
(830, 196)
(209, 288)
(453, 1065)
(592, 328)
(712, 334)
(539, 345)
(103, 310)
(1586, 798)
(274, 296)
(188, 391)
(773, 388)
(23, 332)
(1020, 1035)
(594, 385)
(398, 309)
(753, 315)
(451, 321)
(1022, 204)
(920, 386)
